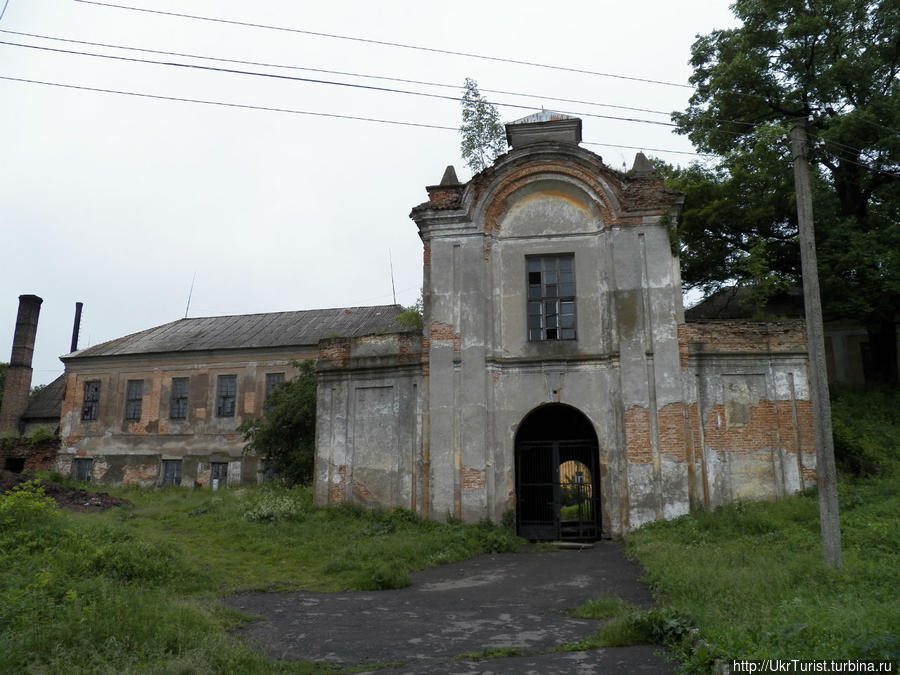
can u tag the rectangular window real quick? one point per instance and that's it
(171, 472)
(134, 395)
(178, 404)
(84, 469)
(551, 297)
(91, 400)
(272, 381)
(226, 393)
(219, 475)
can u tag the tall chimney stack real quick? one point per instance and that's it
(18, 376)
(77, 326)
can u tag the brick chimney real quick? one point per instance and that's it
(18, 377)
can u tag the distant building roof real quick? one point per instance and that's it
(248, 331)
(46, 403)
(734, 302)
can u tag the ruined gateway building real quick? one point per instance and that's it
(555, 376)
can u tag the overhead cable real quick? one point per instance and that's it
(385, 43)
(245, 106)
(308, 80)
(331, 72)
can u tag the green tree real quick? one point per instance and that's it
(483, 135)
(285, 436)
(834, 65)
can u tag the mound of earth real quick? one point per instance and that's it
(71, 499)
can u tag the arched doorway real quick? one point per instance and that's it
(557, 475)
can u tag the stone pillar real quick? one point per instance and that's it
(18, 377)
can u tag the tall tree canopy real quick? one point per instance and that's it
(834, 65)
(483, 135)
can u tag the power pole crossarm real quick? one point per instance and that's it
(815, 337)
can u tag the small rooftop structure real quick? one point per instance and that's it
(543, 126)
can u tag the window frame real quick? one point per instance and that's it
(178, 400)
(226, 401)
(90, 403)
(134, 400)
(78, 471)
(176, 473)
(551, 298)
(273, 380)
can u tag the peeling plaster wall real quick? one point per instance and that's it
(126, 452)
(368, 421)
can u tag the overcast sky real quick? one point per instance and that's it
(121, 201)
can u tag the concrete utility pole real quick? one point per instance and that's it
(815, 340)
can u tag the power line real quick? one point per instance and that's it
(245, 106)
(332, 72)
(226, 104)
(386, 43)
(309, 80)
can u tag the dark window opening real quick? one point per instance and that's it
(84, 469)
(273, 380)
(179, 402)
(133, 398)
(219, 475)
(14, 464)
(551, 297)
(91, 400)
(226, 394)
(171, 472)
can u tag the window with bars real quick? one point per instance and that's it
(134, 395)
(178, 404)
(551, 297)
(171, 472)
(273, 380)
(226, 394)
(91, 403)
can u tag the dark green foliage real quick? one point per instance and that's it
(483, 135)
(866, 427)
(285, 437)
(833, 65)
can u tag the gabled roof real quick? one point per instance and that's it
(47, 403)
(249, 331)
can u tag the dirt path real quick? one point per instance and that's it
(485, 603)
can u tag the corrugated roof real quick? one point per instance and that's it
(247, 331)
(47, 403)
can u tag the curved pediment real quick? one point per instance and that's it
(548, 207)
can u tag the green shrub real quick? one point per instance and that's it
(271, 506)
(29, 520)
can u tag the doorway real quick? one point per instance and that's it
(557, 476)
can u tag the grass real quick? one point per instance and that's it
(136, 589)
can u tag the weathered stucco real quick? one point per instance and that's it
(683, 415)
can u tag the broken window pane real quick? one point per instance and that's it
(179, 402)
(551, 295)
(91, 400)
(226, 394)
(134, 395)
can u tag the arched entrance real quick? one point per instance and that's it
(557, 475)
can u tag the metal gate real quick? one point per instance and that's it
(557, 490)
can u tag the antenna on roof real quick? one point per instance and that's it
(190, 293)
(393, 289)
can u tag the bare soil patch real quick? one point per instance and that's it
(71, 499)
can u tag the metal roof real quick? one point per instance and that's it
(249, 331)
(46, 403)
